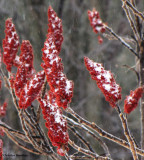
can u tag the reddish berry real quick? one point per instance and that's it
(100, 40)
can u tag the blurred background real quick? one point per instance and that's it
(30, 19)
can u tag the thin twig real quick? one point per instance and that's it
(134, 9)
(127, 133)
(80, 138)
(103, 133)
(87, 152)
(132, 24)
(21, 145)
(103, 145)
(121, 40)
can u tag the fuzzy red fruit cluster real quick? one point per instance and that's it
(105, 81)
(10, 44)
(131, 101)
(1, 149)
(26, 57)
(61, 87)
(3, 109)
(31, 90)
(20, 79)
(57, 126)
(96, 22)
(55, 27)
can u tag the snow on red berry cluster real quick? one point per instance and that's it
(131, 101)
(3, 109)
(27, 57)
(57, 126)
(96, 23)
(61, 87)
(25, 70)
(105, 81)
(10, 44)
(55, 27)
(20, 79)
(1, 149)
(31, 90)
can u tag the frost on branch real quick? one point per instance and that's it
(10, 44)
(105, 81)
(20, 79)
(57, 126)
(31, 90)
(55, 27)
(131, 101)
(61, 87)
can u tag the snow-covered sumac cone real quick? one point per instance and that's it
(61, 87)
(55, 27)
(20, 79)
(10, 44)
(105, 81)
(131, 101)
(57, 126)
(96, 22)
(27, 57)
(31, 90)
